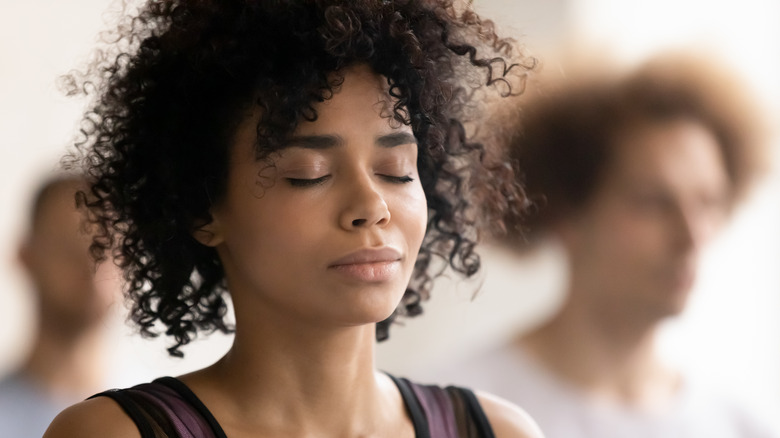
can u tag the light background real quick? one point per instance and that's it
(730, 335)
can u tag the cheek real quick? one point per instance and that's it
(66, 270)
(264, 237)
(618, 237)
(638, 239)
(415, 209)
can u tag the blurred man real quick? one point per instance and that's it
(633, 176)
(72, 299)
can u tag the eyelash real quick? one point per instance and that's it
(398, 179)
(299, 182)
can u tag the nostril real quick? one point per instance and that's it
(358, 222)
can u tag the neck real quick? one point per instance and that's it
(68, 365)
(293, 380)
(605, 352)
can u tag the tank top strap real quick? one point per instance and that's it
(133, 410)
(414, 407)
(451, 412)
(166, 408)
(479, 425)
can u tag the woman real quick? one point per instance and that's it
(308, 158)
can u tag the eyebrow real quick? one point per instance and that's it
(314, 141)
(395, 139)
(331, 141)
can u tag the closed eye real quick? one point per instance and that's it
(302, 182)
(397, 179)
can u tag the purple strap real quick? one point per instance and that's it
(185, 421)
(168, 406)
(438, 410)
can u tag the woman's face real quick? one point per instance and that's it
(328, 234)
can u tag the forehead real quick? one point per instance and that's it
(360, 106)
(55, 202)
(61, 222)
(360, 102)
(677, 153)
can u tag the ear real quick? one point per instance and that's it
(210, 233)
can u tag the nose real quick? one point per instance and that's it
(695, 229)
(686, 235)
(365, 206)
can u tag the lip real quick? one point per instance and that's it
(369, 256)
(369, 265)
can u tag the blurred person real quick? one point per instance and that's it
(72, 302)
(308, 162)
(632, 175)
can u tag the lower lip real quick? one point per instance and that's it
(369, 272)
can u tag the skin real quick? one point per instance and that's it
(302, 363)
(633, 253)
(72, 298)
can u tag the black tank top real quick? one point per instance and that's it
(167, 408)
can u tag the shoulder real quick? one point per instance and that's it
(98, 417)
(507, 419)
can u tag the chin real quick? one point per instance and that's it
(671, 308)
(382, 314)
(679, 306)
(367, 313)
(368, 305)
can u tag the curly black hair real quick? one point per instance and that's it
(178, 76)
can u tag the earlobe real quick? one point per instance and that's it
(209, 234)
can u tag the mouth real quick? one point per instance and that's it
(369, 256)
(369, 265)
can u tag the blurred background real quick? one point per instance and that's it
(730, 333)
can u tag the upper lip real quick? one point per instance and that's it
(369, 255)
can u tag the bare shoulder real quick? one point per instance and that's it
(507, 419)
(98, 417)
